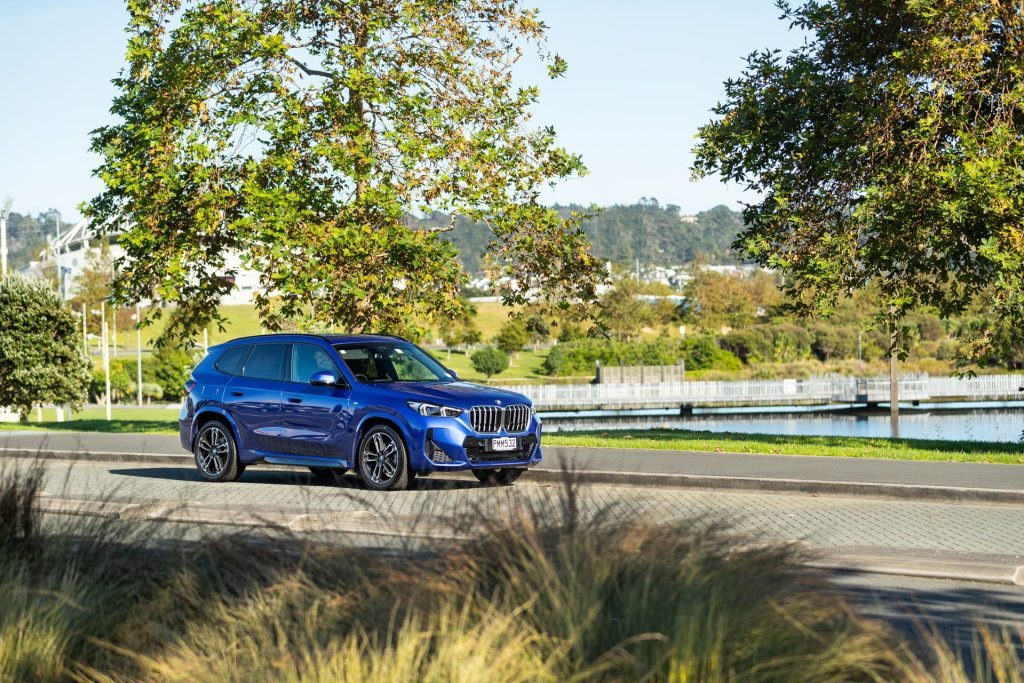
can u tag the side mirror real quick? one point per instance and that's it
(324, 378)
(454, 374)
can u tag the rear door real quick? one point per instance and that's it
(315, 417)
(254, 397)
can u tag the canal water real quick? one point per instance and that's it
(994, 421)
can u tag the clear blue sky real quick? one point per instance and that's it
(643, 75)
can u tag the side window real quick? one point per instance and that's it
(267, 361)
(308, 360)
(361, 363)
(232, 360)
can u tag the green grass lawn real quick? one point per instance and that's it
(845, 446)
(149, 420)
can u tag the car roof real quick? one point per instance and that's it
(298, 336)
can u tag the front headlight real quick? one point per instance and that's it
(431, 410)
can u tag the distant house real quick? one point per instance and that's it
(79, 240)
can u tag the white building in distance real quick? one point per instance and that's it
(76, 244)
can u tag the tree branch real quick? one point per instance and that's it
(307, 70)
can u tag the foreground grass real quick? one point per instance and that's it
(603, 599)
(844, 446)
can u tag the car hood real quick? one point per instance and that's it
(456, 394)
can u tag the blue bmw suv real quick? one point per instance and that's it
(376, 404)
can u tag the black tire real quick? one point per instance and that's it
(503, 476)
(215, 446)
(383, 463)
(328, 473)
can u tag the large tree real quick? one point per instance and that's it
(302, 134)
(885, 150)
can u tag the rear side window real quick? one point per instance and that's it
(232, 360)
(267, 361)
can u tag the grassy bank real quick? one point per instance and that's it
(608, 599)
(845, 446)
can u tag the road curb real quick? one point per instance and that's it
(934, 494)
(541, 474)
(957, 570)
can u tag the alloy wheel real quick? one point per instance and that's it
(380, 458)
(213, 451)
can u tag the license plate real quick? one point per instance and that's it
(504, 443)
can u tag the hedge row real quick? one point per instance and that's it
(579, 357)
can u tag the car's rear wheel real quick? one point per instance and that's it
(502, 476)
(216, 453)
(383, 464)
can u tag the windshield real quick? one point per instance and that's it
(391, 362)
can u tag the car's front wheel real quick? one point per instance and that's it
(502, 476)
(216, 453)
(382, 463)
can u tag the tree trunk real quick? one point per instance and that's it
(894, 385)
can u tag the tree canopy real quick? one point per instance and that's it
(301, 135)
(886, 151)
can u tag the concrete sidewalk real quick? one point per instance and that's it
(904, 479)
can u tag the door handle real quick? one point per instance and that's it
(292, 399)
(237, 393)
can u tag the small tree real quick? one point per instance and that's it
(538, 329)
(41, 357)
(512, 337)
(489, 361)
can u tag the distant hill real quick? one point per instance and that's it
(645, 231)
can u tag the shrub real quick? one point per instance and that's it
(580, 357)
(512, 337)
(769, 343)
(170, 368)
(41, 359)
(489, 361)
(703, 353)
(834, 342)
(554, 364)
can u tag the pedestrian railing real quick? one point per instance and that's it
(771, 392)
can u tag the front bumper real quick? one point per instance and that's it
(450, 444)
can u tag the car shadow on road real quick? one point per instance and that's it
(279, 477)
(953, 614)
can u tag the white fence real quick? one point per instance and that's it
(770, 392)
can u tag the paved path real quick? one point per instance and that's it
(834, 523)
(849, 476)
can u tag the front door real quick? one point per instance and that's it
(254, 397)
(314, 417)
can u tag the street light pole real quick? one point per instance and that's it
(138, 352)
(106, 356)
(60, 269)
(4, 213)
